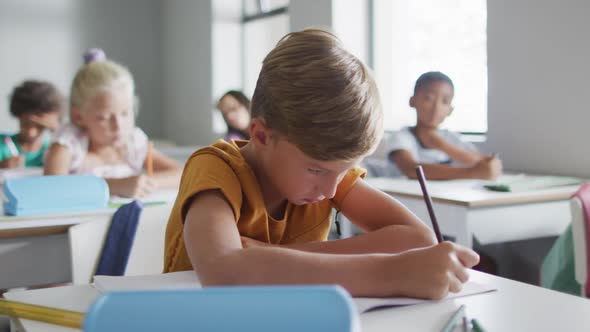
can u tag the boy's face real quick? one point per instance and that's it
(108, 117)
(33, 125)
(433, 103)
(299, 178)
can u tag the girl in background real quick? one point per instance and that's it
(102, 139)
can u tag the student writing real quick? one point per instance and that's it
(258, 212)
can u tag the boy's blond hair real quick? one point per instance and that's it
(99, 74)
(319, 97)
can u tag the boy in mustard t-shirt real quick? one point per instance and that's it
(258, 212)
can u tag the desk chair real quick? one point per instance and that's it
(119, 240)
(226, 309)
(565, 268)
(580, 207)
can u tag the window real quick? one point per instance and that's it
(264, 24)
(413, 37)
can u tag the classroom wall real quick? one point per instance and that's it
(45, 39)
(347, 18)
(187, 71)
(538, 69)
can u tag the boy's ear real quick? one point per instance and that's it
(259, 132)
(412, 102)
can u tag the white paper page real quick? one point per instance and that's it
(14, 173)
(365, 304)
(174, 280)
(159, 196)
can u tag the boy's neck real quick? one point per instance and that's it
(274, 203)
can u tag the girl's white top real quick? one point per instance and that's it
(77, 142)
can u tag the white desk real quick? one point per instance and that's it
(514, 307)
(65, 247)
(38, 250)
(465, 209)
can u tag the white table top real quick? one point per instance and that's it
(468, 192)
(514, 307)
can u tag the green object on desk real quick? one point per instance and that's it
(476, 326)
(532, 183)
(455, 318)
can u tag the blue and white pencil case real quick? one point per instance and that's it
(37, 195)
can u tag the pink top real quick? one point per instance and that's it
(76, 140)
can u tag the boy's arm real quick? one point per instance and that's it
(390, 227)
(487, 168)
(214, 248)
(433, 140)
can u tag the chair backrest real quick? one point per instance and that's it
(225, 309)
(580, 211)
(119, 240)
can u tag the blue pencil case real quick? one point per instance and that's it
(226, 309)
(52, 194)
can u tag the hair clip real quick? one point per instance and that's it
(94, 54)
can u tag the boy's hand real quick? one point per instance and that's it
(435, 271)
(135, 186)
(248, 242)
(13, 162)
(488, 168)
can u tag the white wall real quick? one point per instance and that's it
(187, 71)
(39, 40)
(348, 19)
(45, 39)
(538, 62)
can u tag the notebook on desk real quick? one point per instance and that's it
(520, 183)
(189, 280)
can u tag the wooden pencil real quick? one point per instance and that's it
(428, 201)
(149, 162)
(42, 313)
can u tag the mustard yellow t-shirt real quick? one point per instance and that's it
(221, 166)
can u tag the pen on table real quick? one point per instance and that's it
(149, 163)
(11, 146)
(428, 200)
(452, 322)
(41, 313)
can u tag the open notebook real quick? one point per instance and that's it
(189, 280)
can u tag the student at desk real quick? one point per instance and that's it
(258, 212)
(441, 153)
(38, 106)
(102, 138)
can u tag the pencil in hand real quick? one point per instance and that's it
(428, 200)
(149, 160)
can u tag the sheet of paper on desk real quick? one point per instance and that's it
(174, 280)
(158, 197)
(365, 304)
(14, 173)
